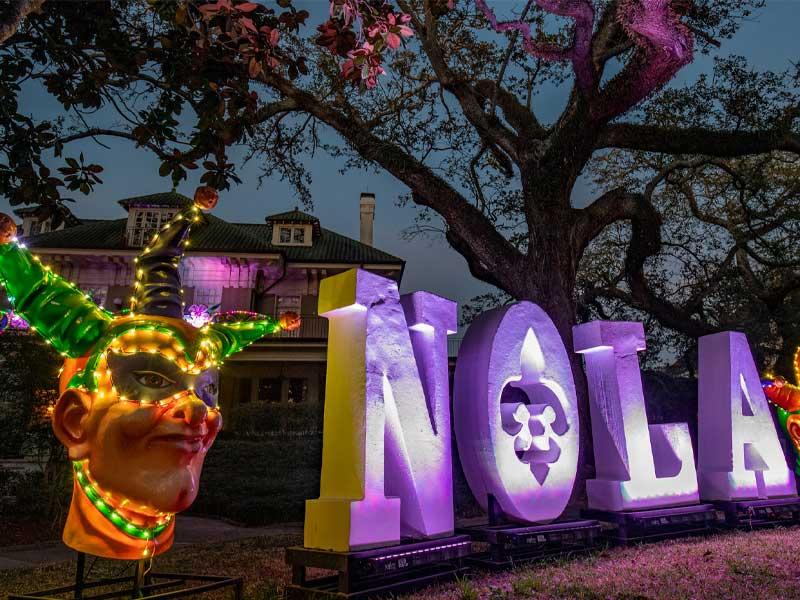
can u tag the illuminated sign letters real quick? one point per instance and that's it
(638, 465)
(386, 464)
(386, 459)
(515, 412)
(739, 453)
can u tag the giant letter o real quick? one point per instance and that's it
(515, 413)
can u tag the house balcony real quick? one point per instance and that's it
(312, 327)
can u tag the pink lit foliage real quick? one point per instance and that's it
(361, 32)
(251, 28)
(662, 44)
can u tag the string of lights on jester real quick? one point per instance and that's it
(138, 407)
(786, 399)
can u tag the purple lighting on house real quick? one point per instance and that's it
(638, 465)
(515, 411)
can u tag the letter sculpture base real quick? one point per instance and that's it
(656, 524)
(378, 572)
(513, 544)
(142, 584)
(752, 514)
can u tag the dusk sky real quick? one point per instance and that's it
(770, 41)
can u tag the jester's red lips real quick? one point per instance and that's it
(189, 441)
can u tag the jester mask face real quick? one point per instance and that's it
(138, 409)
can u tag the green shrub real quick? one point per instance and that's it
(260, 481)
(258, 418)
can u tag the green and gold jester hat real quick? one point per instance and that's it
(785, 397)
(95, 342)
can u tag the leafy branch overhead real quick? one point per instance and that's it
(445, 95)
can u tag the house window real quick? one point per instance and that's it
(297, 390)
(291, 235)
(38, 227)
(269, 389)
(145, 223)
(288, 303)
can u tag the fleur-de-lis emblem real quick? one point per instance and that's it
(532, 413)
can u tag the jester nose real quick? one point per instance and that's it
(190, 409)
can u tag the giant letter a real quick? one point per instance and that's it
(386, 458)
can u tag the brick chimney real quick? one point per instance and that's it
(367, 217)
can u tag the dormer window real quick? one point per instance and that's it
(35, 227)
(294, 228)
(143, 223)
(292, 235)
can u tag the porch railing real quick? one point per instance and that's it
(311, 327)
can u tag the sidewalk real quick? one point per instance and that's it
(189, 530)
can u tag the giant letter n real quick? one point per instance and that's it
(386, 457)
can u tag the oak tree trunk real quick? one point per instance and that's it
(549, 280)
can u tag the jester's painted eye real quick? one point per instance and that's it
(152, 379)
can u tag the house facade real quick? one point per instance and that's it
(269, 267)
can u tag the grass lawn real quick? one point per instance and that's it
(738, 565)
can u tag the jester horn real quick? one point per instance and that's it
(782, 394)
(55, 308)
(235, 335)
(157, 290)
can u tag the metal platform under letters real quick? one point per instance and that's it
(377, 572)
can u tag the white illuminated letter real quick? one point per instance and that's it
(515, 412)
(387, 416)
(638, 465)
(740, 455)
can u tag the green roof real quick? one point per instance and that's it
(293, 216)
(217, 235)
(162, 199)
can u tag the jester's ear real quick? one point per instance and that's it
(55, 308)
(69, 422)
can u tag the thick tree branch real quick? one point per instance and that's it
(488, 126)
(494, 257)
(696, 140)
(19, 10)
(664, 45)
(95, 132)
(517, 114)
(579, 53)
(617, 205)
(613, 206)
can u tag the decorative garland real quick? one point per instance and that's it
(116, 519)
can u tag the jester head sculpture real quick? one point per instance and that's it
(138, 406)
(786, 399)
